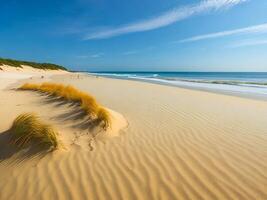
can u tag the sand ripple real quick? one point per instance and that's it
(180, 144)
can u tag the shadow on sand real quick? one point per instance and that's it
(74, 114)
(13, 155)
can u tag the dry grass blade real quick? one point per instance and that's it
(28, 128)
(69, 93)
(29, 86)
(103, 118)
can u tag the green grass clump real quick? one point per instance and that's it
(19, 63)
(28, 128)
(69, 93)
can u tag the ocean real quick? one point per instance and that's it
(252, 84)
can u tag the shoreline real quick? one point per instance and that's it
(190, 87)
(20, 76)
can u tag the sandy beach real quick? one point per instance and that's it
(169, 143)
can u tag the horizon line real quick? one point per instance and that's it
(169, 71)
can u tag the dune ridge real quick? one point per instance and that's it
(88, 103)
(180, 144)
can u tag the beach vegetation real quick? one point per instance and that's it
(87, 102)
(19, 63)
(103, 118)
(28, 128)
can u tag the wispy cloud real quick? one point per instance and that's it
(97, 55)
(165, 19)
(82, 56)
(262, 28)
(129, 53)
(246, 43)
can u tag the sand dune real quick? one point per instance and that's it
(179, 144)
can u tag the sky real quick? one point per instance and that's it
(137, 35)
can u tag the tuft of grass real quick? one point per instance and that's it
(69, 93)
(89, 105)
(29, 86)
(103, 118)
(28, 128)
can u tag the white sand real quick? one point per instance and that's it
(10, 75)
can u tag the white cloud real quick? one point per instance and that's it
(165, 19)
(97, 55)
(262, 28)
(245, 43)
(82, 56)
(129, 53)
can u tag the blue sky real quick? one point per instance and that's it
(137, 35)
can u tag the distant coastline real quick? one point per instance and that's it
(20, 63)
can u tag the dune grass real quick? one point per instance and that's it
(103, 117)
(88, 103)
(28, 128)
